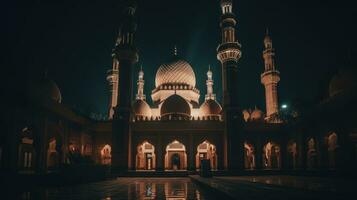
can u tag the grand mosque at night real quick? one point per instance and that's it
(174, 131)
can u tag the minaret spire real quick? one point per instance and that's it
(229, 53)
(209, 83)
(124, 53)
(270, 77)
(140, 95)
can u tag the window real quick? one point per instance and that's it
(25, 159)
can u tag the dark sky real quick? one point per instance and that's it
(73, 41)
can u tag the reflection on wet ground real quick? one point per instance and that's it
(307, 183)
(123, 188)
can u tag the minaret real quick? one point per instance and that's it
(209, 83)
(113, 78)
(126, 54)
(140, 95)
(228, 53)
(270, 78)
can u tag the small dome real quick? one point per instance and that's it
(246, 115)
(344, 80)
(175, 105)
(210, 107)
(45, 89)
(175, 72)
(257, 115)
(141, 108)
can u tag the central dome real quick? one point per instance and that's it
(177, 71)
(175, 105)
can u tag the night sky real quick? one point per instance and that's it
(73, 40)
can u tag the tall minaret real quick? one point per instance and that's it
(126, 54)
(228, 53)
(210, 95)
(270, 78)
(113, 78)
(140, 95)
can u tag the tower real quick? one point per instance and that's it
(126, 54)
(270, 78)
(113, 78)
(228, 53)
(209, 83)
(140, 83)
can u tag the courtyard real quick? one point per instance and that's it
(193, 187)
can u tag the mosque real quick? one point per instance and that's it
(177, 131)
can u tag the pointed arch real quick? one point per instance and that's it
(311, 154)
(332, 149)
(292, 154)
(52, 154)
(106, 155)
(175, 157)
(145, 156)
(249, 156)
(207, 150)
(271, 156)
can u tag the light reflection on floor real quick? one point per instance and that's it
(124, 188)
(309, 183)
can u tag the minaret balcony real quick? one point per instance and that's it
(112, 76)
(270, 77)
(229, 51)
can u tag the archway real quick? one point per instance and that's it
(145, 157)
(106, 155)
(292, 155)
(271, 156)
(206, 150)
(249, 156)
(175, 157)
(52, 154)
(311, 154)
(332, 147)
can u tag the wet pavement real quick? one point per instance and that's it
(305, 183)
(122, 188)
(193, 188)
(280, 187)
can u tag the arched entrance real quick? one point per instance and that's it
(292, 155)
(332, 147)
(175, 157)
(206, 150)
(106, 155)
(311, 154)
(145, 157)
(271, 156)
(249, 156)
(52, 155)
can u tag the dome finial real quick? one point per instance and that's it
(267, 31)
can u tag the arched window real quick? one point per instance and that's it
(145, 156)
(332, 147)
(271, 156)
(249, 156)
(52, 155)
(292, 155)
(106, 155)
(175, 157)
(206, 150)
(311, 154)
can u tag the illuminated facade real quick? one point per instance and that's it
(177, 131)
